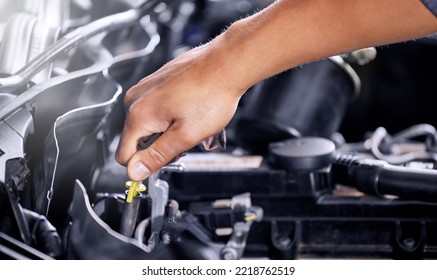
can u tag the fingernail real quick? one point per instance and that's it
(139, 172)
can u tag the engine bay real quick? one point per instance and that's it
(338, 160)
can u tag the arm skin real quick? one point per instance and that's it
(196, 95)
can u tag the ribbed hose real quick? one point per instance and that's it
(378, 177)
(44, 234)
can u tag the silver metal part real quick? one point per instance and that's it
(29, 33)
(13, 132)
(234, 248)
(139, 235)
(340, 62)
(173, 210)
(361, 56)
(65, 44)
(241, 199)
(158, 192)
(102, 61)
(22, 122)
(380, 134)
(16, 42)
(173, 167)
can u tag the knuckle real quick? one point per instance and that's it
(129, 97)
(120, 155)
(120, 159)
(158, 157)
(189, 138)
(133, 110)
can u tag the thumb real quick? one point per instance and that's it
(158, 154)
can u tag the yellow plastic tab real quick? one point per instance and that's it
(250, 217)
(134, 188)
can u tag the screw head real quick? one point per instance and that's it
(409, 243)
(229, 254)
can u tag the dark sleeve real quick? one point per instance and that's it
(431, 5)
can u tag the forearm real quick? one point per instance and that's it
(293, 32)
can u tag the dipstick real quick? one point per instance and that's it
(134, 188)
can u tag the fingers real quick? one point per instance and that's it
(126, 148)
(134, 129)
(163, 150)
(128, 144)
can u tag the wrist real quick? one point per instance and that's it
(250, 50)
(231, 62)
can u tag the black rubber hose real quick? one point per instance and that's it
(44, 234)
(379, 178)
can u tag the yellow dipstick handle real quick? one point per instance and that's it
(134, 188)
(250, 217)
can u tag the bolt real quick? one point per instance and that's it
(409, 243)
(229, 254)
(283, 241)
(165, 238)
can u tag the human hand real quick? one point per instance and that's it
(195, 95)
(188, 99)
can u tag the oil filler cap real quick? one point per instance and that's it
(301, 154)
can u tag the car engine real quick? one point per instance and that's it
(336, 160)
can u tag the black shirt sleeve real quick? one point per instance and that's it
(431, 5)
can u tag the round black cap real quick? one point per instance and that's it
(302, 154)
